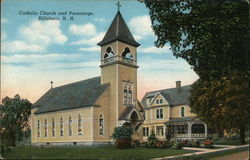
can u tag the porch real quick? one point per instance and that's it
(186, 128)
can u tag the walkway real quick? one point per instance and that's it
(202, 151)
(239, 156)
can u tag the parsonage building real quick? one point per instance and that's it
(86, 112)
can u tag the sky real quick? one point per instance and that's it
(35, 52)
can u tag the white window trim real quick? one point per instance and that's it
(184, 111)
(159, 112)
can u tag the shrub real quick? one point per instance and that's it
(208, 143)
(152, 141)
(135, 143)
(175, 144)
(122, 136)
(162, 144)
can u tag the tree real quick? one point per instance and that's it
(213, 37)
(15, 113)
(225, 102)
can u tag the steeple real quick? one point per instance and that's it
(119, 30)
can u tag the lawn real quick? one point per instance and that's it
(227, 142)
(108, 152)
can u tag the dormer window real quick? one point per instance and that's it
(161, 101)
(157, 101)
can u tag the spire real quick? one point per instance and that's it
(118, 30)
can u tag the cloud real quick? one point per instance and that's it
(92, 41)
(20, 46)
(86, 29)
(141, 26)
(4, 20)
(153, 49)
(173, 65)
(99, 19)
(90, 49)
(44, 33)
(3, 35)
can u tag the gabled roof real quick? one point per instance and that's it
(118, 30)
(75, 95)
(174, 96)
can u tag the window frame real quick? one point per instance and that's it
(182, 112)
(159, 113)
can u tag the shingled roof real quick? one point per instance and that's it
(118, 30)
(174, 96)
(75, 95)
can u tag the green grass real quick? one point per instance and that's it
(109, 152)
(227, 142)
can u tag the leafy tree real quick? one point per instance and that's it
(225, 102)
(15, 113)
(213, 37)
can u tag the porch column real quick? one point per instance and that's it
(205, 130)
(189, 129)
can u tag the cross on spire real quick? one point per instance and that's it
(118, 5)
(51, 82)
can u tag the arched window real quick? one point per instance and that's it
(53, 127)
(101, 125)
(38, 128)
(109, 55)
(45, 128)
(130, 94)
(125, 94)
(61, 127)
(79, 125)
(126, 55)
(70, 126)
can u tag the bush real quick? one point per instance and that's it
(208, 143)
(135, 143)
(191, 143)
(175, 144)
(152, 141)
(122, 136)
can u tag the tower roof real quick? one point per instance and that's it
(118, 30)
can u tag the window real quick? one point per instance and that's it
(53, 127)
(127, 56)
(109, 55)
(61, 127)
(161, 101)
(79, 125)
(125, 92)
(45, 128)
(159, 113)
(38, 128)
(157, 101)
(159, 130)
(182, 111)
(182, 129)
(130, 94)
(145, 131)
(70, 126)
(101, 125)
(198, 128)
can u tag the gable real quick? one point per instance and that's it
(159, 100)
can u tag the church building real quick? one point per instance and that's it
(86, 112)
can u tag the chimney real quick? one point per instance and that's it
(178, 85)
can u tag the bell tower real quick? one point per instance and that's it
(119, 68)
